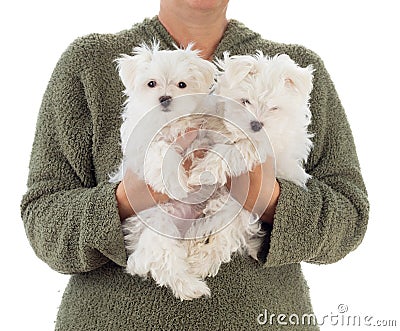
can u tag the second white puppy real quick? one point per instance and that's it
(265, 107)
(263, 98)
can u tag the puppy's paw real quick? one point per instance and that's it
(205, 258)
(136, 266)
(211, 170)
(201, 175)
(190, 288)
(176, 188)
(204, 268)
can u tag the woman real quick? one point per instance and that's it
(72, 214)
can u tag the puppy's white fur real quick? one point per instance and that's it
(161, 87)
(179, 77)
(226, 229)
(269, 94)
(262, 98)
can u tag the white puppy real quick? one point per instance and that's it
(265, 106)
(163, 87)
(262, 96)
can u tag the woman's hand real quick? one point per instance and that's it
(134, 195)
(257, 190)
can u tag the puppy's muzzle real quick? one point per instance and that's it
(256, 125)
(165, 101)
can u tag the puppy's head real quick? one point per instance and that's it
(154, 78)
(269, 91)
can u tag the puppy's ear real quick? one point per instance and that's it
(127, 64)
(296, 77)
(126, 67)
(208, 71)
(205, 69)
(146, 52)
(236, 68)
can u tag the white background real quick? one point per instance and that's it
(357, 41)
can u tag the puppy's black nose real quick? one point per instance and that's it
(256, 125)
(165, 100)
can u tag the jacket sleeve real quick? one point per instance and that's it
(71, 221)
(328, 220)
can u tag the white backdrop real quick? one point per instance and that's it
(356, 39)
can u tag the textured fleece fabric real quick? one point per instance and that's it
(71, 217)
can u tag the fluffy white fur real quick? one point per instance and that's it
(263, 97)
(163, 87)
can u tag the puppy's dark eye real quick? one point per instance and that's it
(274, 108)
(152, 84)
(245, 102)
(182, 85)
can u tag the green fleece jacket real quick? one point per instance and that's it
(71, 217)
